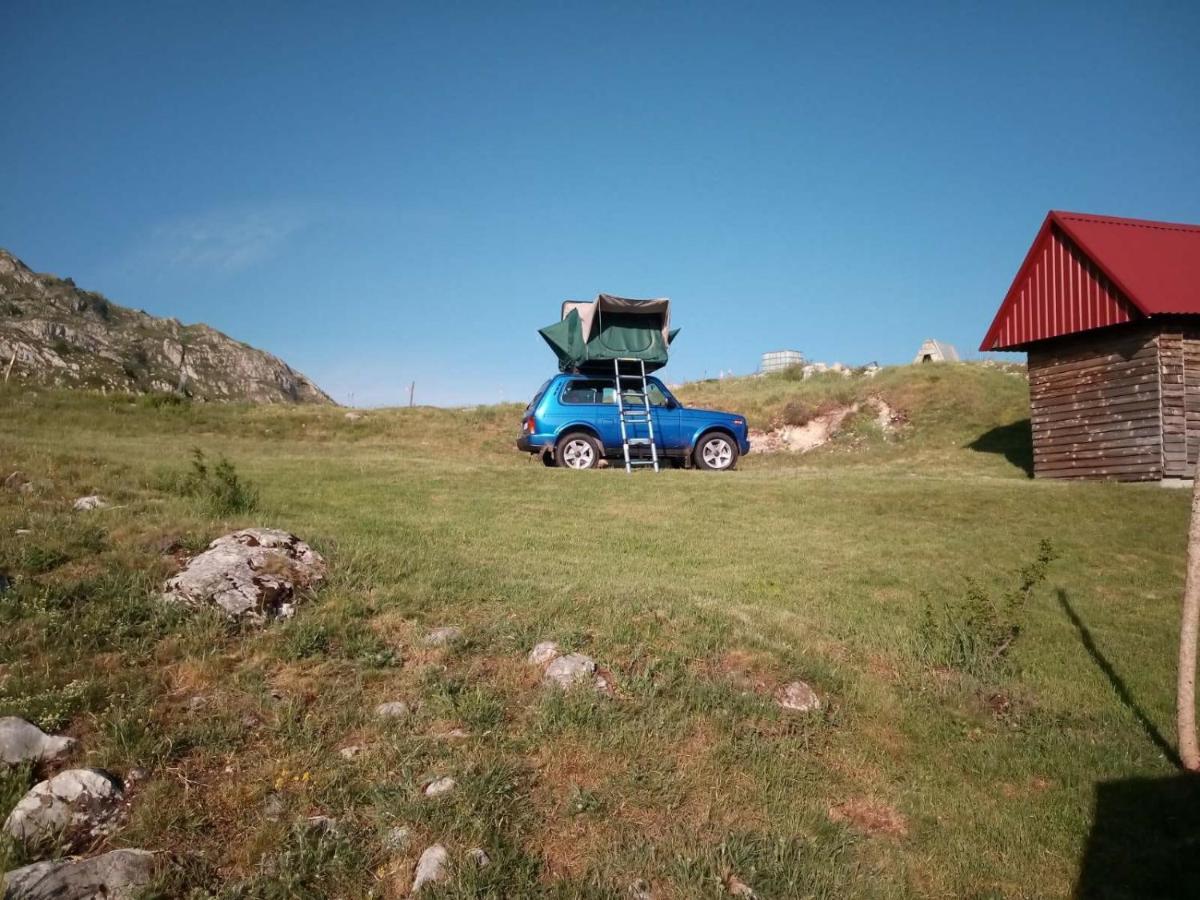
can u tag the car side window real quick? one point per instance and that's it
(654, 392)
(578, 392)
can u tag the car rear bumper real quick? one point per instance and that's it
(534, 443)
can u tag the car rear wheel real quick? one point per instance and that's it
(716, 452)
(578, 450)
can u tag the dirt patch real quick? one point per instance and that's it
(822, 427)
(870, 817)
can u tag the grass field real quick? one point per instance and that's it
(923, 776)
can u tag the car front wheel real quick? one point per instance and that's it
(578, 451)
(716, 452)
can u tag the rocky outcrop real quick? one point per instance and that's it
(22, 741)
(67, 812)
(53, 333)
(118, 875)
(255, 574)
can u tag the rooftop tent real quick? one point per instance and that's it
(592, 333)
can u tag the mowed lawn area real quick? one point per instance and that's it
(701, 593)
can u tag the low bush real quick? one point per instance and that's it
(976, 633)
(219, 486)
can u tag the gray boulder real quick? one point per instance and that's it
(22, 741)
(431, 867)
(94, 501)
(118, 875)
(798, 697)
(255, 575)
(544, 653)
(68, 811)
(570, 670)
(440, 637)
(392, 709)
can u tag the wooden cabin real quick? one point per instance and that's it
(1108, 311)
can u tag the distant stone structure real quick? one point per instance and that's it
(778, 360)
(936, 351)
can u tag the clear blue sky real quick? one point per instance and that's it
(383, 193)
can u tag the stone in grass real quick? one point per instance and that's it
(544, 653)
(352, 751)
(392, 709)
(22, 741)
(798, 697)
(439, 786)
(639, 890)
(117, 875)
(570, 670)
(68, 811)
(94, 501)
(255, 575)
(396, 839)
(738, 888)
(431, 867)
(479, 857)
(440, 637)
(18, 483)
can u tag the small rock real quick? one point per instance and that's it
(352, 751)
(640, 890)
(543, 653)
(22, 741)
(94, 501)
(392, 709)
(455, 734)
(431, 867)
(16, 482)
(255, 574)
(396, 839)
(353, 416)
(440, 637)
(440, 786)
(738, 888)
(249, 720)
(321, 825)
(117, 875)
(479, 856)
(71, 809)
(798, 697)
(274, 806)
(567, 671)
(197, 703)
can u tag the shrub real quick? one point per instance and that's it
(976, 632)
(219, 486)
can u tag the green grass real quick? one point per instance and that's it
(700, 592)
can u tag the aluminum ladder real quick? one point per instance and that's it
(634, 414)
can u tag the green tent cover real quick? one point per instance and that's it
(592, 333)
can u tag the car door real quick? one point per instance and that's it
(592, 402)
(665, 411)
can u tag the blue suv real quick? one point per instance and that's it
(572, 421)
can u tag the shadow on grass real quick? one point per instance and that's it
(1144, 842)
(1014, 442)
(1118, 684)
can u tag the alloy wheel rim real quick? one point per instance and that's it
(578, 454)
(717, 453)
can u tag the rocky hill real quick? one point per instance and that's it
(51, 332)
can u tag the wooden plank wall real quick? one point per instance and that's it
(1095, 405)
(1172, 372)
(1191, 382)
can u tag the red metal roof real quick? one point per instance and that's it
(1086, 271)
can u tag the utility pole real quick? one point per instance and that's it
(412, 387)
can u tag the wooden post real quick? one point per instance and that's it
(411, 389)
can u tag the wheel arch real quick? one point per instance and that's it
(711, 429)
